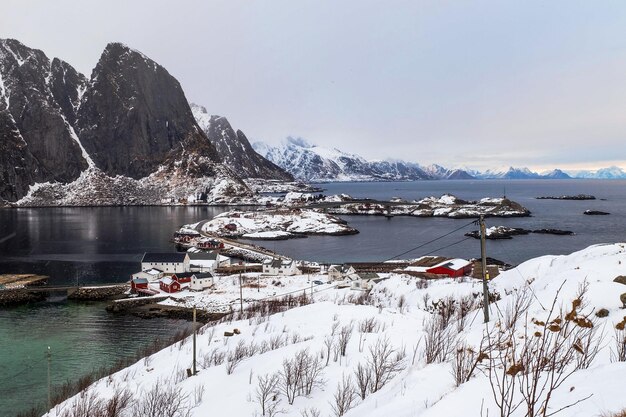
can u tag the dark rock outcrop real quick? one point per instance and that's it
(595, 213)
(134, 114)
(38, 141)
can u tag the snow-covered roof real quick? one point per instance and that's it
(168, 257)
(454, 264)
(167, 281)
(140, 280)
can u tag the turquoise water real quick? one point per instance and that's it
(82, 337)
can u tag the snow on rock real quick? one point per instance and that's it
(444, 206)
(287, 222)
(399, 311)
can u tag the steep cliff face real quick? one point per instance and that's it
(134, 113)
(38, 141)
(235, 149)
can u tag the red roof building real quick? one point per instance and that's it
(169, 285)
(452, 268)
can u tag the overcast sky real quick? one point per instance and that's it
(461, 83)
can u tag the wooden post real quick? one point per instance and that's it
(485, 274)
(49, 355)
(240, 295)
(194, 341)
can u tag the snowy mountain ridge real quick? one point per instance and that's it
(309, 162)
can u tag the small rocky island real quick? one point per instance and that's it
(444, 206)
(274, 224)
(595, 213)
(503, 232)
(568, 197)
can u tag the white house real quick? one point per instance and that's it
(340, 272)
(206, 261)
(201, 281)
(152, 274)
(169, 263)
(284, 267)
(363, 280)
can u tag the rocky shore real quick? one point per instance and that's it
(149, 307)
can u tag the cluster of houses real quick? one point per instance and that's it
(173, 270)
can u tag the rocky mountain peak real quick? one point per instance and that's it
(235, 149)
(134, 113)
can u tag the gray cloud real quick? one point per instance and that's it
(462, 83)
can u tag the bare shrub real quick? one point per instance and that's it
(87, 404)
(547, 354)
(267, 392)
(329, 342)
(276, 342)
(310, 412)
(465, 362)
(363, 376)
(440, 341)
(383, 363)
(619, 353)
(344, 397)
(236, 356)
(401, 303)
(162, 400)
(344, 337)
(369, 325)
(300, 375)
(198, 394)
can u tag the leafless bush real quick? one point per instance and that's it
(310, 412)
(363, 376)
(383, 363)
(401, 303)
(344, 397)
(267, 392)
(440, 340)
(299, 375)
(344, 337)
(162, 400)
(619, 353)
(329, 342)
(198, 393)
(537, 362)
(465, 362)
(276, 342)
(236, 356)
(421, 283)
(369, 325)
(87, 404)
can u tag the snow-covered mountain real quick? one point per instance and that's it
(609, 173)
(235, 149)
(309, 162)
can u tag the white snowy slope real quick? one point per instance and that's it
(398, 316)
(612, 172)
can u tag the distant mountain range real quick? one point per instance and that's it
(308, 162)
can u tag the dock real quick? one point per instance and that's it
(12, 281)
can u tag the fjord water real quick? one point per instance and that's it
(102, 245)
(85, 245)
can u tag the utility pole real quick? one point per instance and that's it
(194, 341)
(49, 355)
(240, 295)
(483, 258)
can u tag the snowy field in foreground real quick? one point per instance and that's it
(401, 317)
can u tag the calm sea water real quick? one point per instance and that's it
(92, 245)
(382, 238)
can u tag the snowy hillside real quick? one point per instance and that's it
(555, 345)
